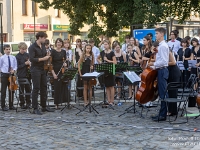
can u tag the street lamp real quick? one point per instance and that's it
(1, 14)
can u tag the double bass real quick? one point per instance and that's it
(148, 89)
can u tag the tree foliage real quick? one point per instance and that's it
(119, 13)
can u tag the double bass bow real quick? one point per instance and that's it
(148, 89)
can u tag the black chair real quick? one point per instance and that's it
(189, 90)
(120, 76)
(23, 82)
(176, 86)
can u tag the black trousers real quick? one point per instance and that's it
(24, 89)
(4, 84)
(39, 81)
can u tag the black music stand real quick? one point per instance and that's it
(106, 69)
(66, 78)
(87, 77)
(121, 66)
(134, 79)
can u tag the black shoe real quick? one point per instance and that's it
(172, 114)
(47, 109)
(159, 118)
(12, 108)
(5, 108)
(36, 111)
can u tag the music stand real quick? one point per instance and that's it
(67, 76)
(134, 79)
(87, 77)
(121, 66)
(107, 69)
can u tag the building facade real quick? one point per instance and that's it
(24, 14)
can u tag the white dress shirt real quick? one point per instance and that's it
(174, 45)
(69, 54)
(124, 47)
(162, 57)
(96, 53)
(4, 64)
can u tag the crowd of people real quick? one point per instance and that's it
(30, 65)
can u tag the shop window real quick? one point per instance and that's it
(34, 9)
(24, 7)
(62, 35)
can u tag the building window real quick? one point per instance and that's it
(34, 8)
(24, 7)
(57, 13)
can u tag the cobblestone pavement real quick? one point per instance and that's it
(66, 130)
(107, 131)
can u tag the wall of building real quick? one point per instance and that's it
(46, 20)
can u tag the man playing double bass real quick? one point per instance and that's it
(37, 54)
(161, 64)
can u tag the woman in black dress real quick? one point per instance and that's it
(174, 76)
(86, 61)
(184, 54)
(108, 56)
(195, 54)
(133, 60)
(61, 92)
(78, 52)
(120, 57)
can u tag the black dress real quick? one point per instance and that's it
(119, 59)
(194, 70)
(133, 57)
(187, 53)
(109, 80)
(174, 76)
(79, 82)
(61, 92)
(86, 65)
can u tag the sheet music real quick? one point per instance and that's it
(92, 74)
(192, 63)
(180, 65)
(132, 76)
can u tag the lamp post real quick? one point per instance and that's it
(1, 14)
(34, 17)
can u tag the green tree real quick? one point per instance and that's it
(120, 13)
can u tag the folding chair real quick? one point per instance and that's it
(176, 86)
(23, 82)
(189, 90)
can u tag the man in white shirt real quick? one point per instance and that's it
(95, 51)
(8, 66)
(161, 64)
(127, 40)
(174, 44)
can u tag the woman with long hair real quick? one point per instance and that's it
(78, 51)
(60, 88)
(146, 51)
(120, 57)
(133, 60)
(69, 54)
(135, 47)
(86, 61)
(108, 56)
